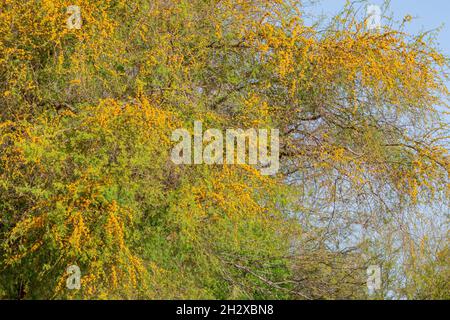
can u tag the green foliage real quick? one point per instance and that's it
(86, 177)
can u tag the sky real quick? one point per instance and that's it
(427, 15)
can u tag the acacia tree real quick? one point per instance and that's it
(86, 177)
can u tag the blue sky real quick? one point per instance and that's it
(428, 14)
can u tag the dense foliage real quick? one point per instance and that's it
(86, 177)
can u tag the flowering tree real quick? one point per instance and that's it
(87, 109)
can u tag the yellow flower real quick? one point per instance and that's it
(407, 18)
(75, 81)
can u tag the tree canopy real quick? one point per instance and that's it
(86, 177)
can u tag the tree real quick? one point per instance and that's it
(86, 176)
